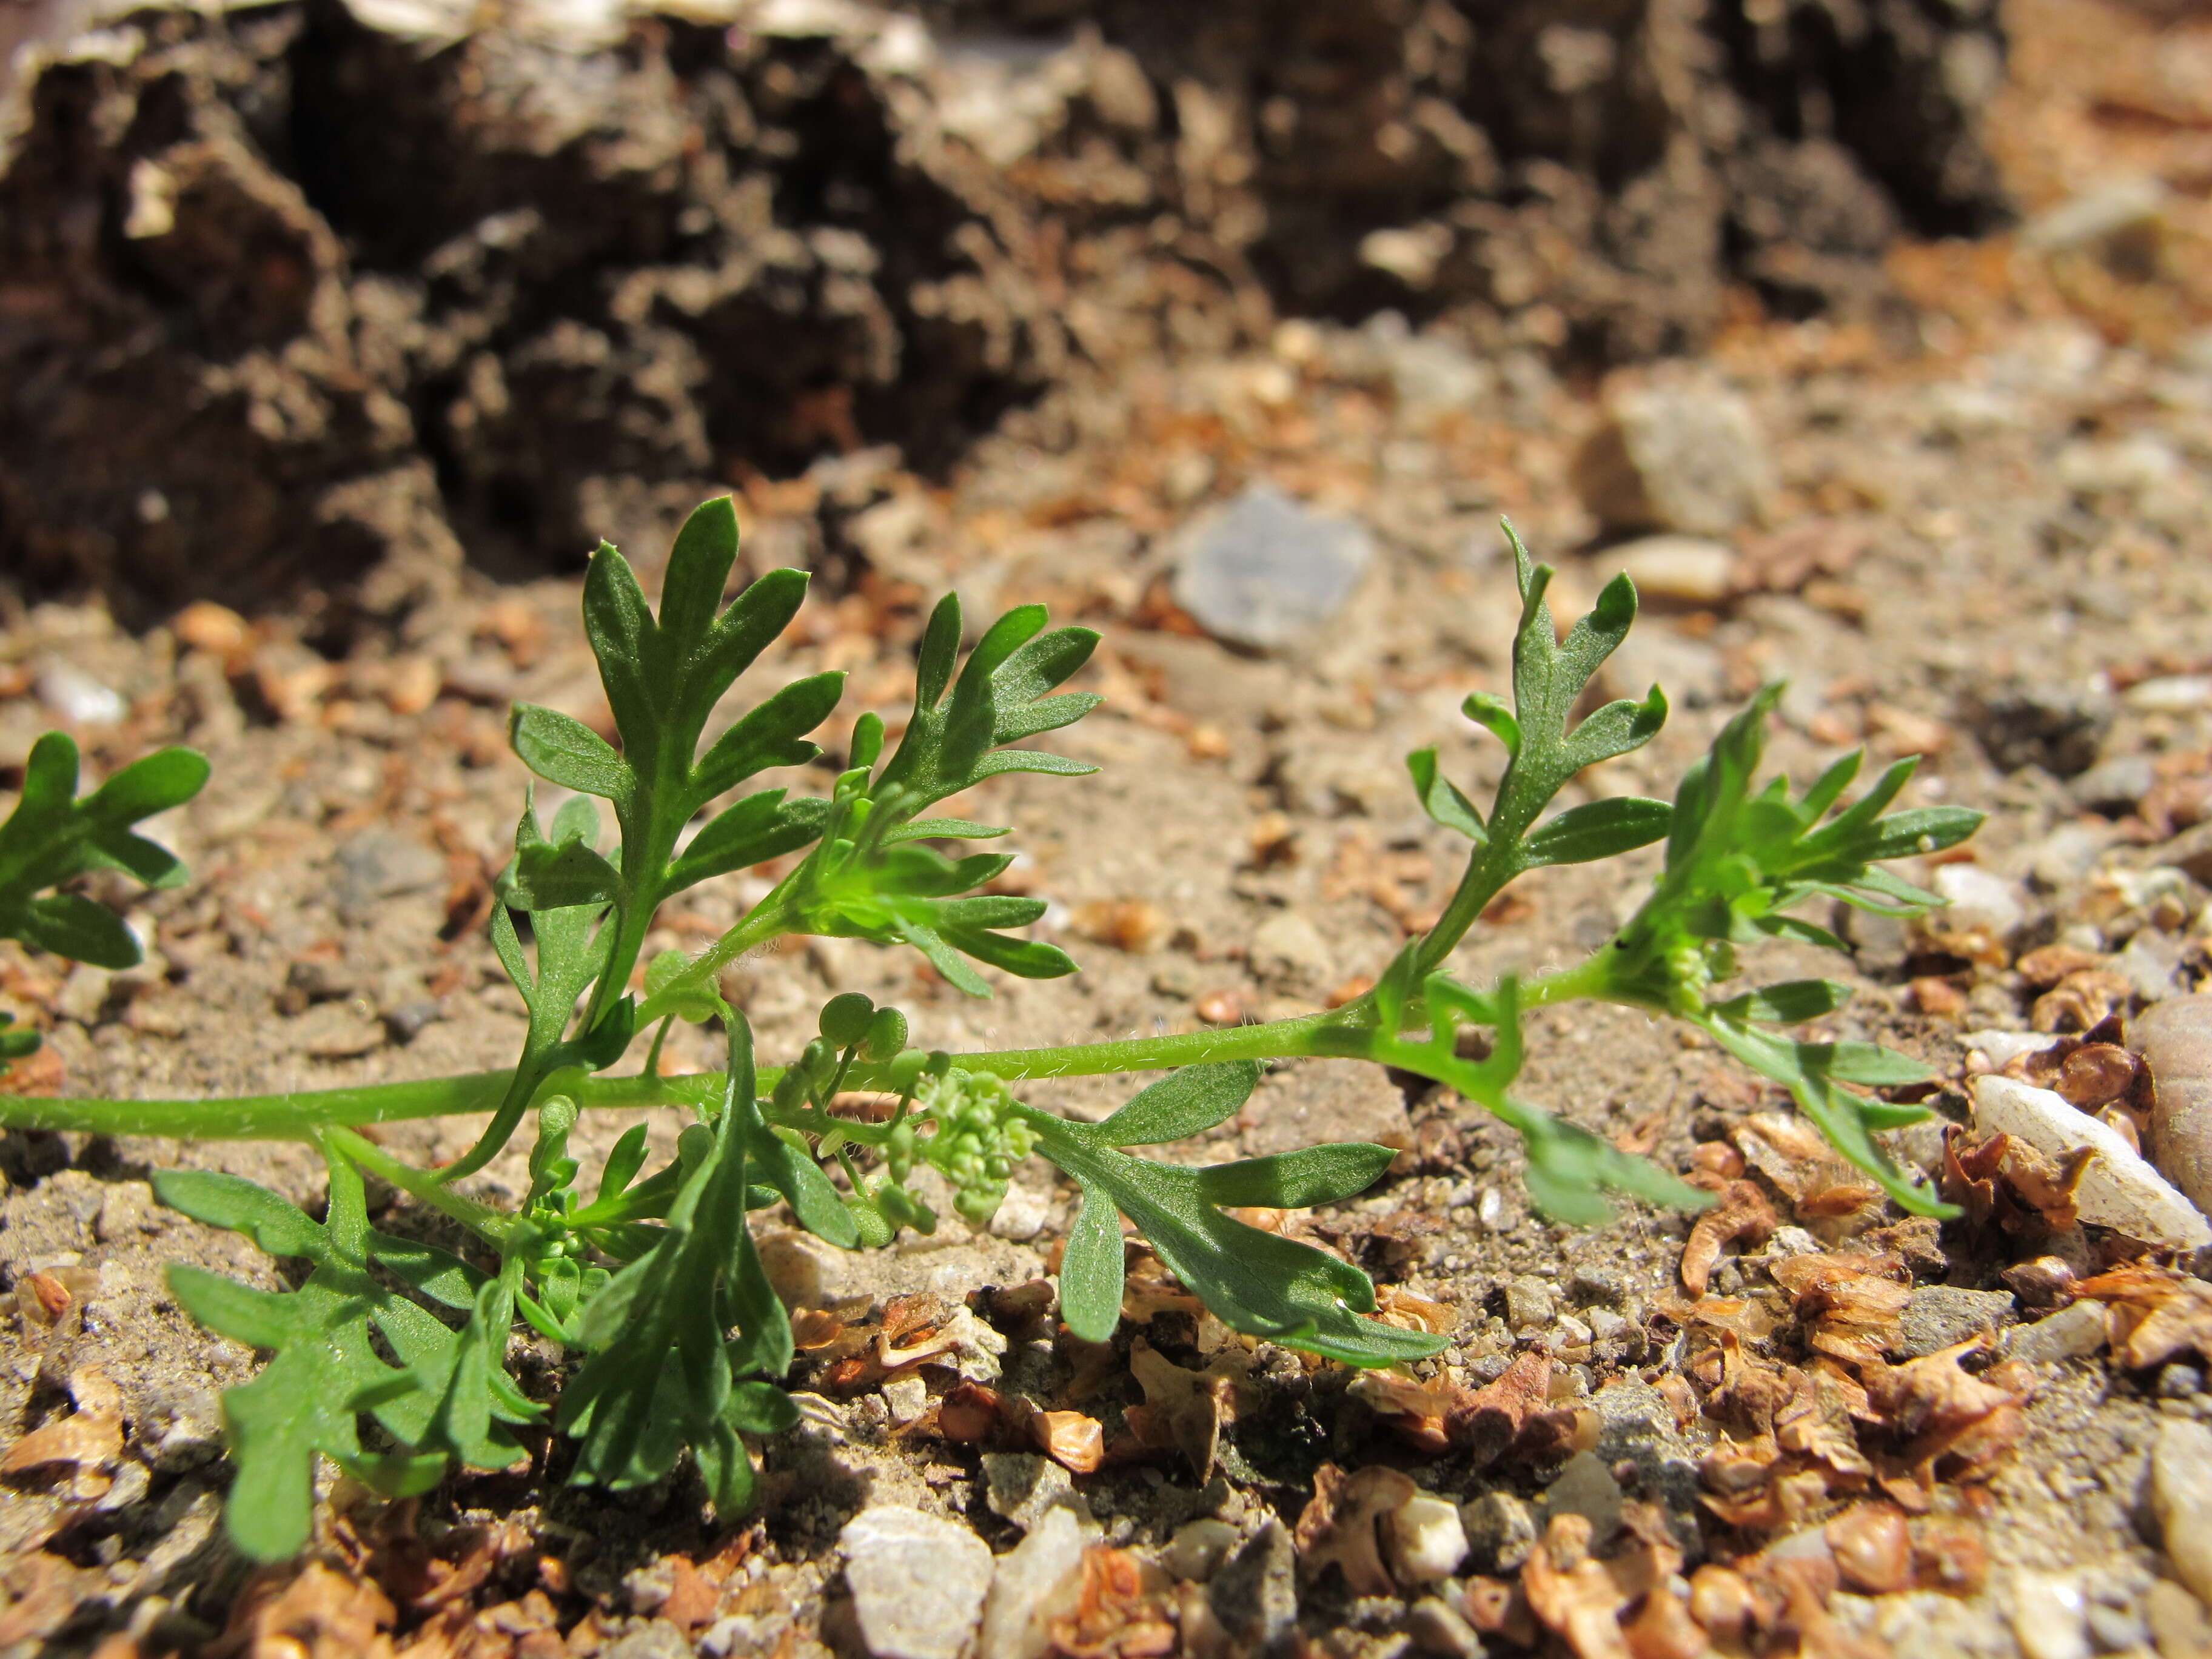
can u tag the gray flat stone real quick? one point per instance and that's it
(1586, 1487)
(1940, 1315)
(2074, 1332)
(2116, 785)
(918, 1582)
(1024, 1488)
(1269, 572)
(1686, 456)
(380, 865)
(1500, 1531)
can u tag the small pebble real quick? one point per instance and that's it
(1528, 1304)
(2172, 694)
(1268, 571)
(1437, 1627)
(2001, 1048)
(2178, 1621)
(2119, 1190)
(1685, 455)
(1220, 1008)
(1426, 1541)
(1586, 1487)
(1941, 1315)
(1032, 1582)
(1022, 1213)
(411, 1018)
(1176, 979)
(2115, 785)
(1255, 1596)
(1685, 569)
(1872, 1548)
(907, 1398)
(1592, 1286)
(2181, 1499)
(1198, 1547)
(2048, 1617)
(2115, 1630)
(658, 1640)
(335, 1030)
(1977, 898)
(2074, 1332)
(1500, 1531)
(918, 1582)
(126, 1209)
(77, 698)
(1023, 1487)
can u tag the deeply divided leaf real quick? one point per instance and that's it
(52, 837)
(1259, 1283)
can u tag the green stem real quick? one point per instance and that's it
(297, 1116)
(292, 1116)
(770, 919)
(492, 1226)
(1484, 879)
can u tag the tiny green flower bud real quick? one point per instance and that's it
(902, 1209)
(867, 741)
(978, 1204)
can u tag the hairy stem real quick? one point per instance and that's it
(492, 1226)
(299, 1117)
(770, 919)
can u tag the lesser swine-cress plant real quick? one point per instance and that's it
(654, 1280)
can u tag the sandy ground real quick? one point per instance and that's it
(1990, 551)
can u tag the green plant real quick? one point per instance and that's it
(655, 1281)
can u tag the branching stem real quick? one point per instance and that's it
(301, 1116)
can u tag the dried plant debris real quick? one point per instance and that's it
(2156, 1313)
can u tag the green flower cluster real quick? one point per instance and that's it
(979, 1138)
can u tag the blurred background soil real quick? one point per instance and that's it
(1873, 336)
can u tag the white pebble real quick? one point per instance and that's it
(76, 697)
(1034, 1582)
(918, 1582)
(2002, 1048)
(1022, 1213)
(1975, 897)
(907, 1398)
(2172, 694)
(1688, 570)
(1426, 1541)
(2048, 1617)
(1198, 1547)
(2181, 1498)
(2118, 1190)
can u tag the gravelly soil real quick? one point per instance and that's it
(2006, 522)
